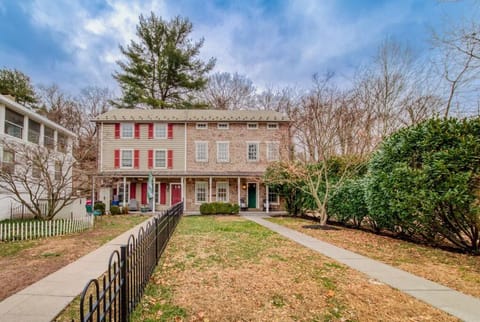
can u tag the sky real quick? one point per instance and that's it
(75, 43)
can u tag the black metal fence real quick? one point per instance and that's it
(114, 296)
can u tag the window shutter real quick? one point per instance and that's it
(170, 131)
(170, 159)
(117, 159)
(150, 159)
(133, 190)
(150, 130)
(136, 161)
(137, 130)
(117, 130)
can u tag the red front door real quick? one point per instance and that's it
(176, 193)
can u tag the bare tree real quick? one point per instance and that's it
(38, 178)
(225, 91)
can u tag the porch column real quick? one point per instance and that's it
(266, 199)
(210, 189)
(154, 195)
(238, 190)
(124, 191)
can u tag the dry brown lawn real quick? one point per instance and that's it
(458, 271)
(231, 269)
(22, 263)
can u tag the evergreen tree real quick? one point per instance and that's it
(17, 84)
(162, 68)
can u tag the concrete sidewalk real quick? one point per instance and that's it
(45, 299)
(464, 307)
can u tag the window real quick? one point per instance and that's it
(201, 189)
(58, 170)
(121, 193)
(61, 142)
(8, 161)
(273, 197)
(222, 126)
(36, 172)
(160, 158)
(127, 158)
(13, 123)
(127, 130)
(273, 151)
(157, 193)
(223, 153)
(201, 151)
(252, 126)
(272, 126)
(252, 151)
(33, 131)
(48, 138)
(222, 191)
(160, 130)
(202, 126)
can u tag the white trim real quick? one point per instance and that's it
(155, 158)
(252, 126)
(155, 130)
(201, 125)
(228, 151)
(196, 151)
(121, 159)
(272, 128)
(198, 183)
(227, 197)
(277, 143)
(257, 143)
(223, 123)
(122, 124)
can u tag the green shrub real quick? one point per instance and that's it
(424, 182)
(347, 202)
(115, 210)
(99, 206)
(215, 208)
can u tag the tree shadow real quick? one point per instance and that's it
(321, 227)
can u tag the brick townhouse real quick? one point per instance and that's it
(193, 155)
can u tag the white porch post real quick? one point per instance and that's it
(238, 190)
(154, 195)
(124, 191)
(210, 189)
(266, 199)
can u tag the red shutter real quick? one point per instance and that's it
(150, 130)
(163, 193)
(117, 159)
(133, 190)
(117, 130)
(170, 131)
(137, 130)
(170, 159)
(144, 193)
(136, 157)
(150, 159)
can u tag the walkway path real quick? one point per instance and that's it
(465, 307)
(45, 299)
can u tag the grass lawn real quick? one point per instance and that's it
(458, 271)
(22, 263)
(231, 269)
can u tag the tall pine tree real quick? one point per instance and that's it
(162, 69)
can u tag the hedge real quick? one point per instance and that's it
(216, 208)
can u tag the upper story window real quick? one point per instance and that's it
(160, 159)
(160, 130)
(127, 130)
(33, 131)
(126, 159)
(223, 153)
(62, 142)
(13, 123)
(8, 161)
(222, 126)
(201, 151)
(272, 126)
(49, 138)
(252, 126)
(202, 126)
(252, 151)
(273, 151)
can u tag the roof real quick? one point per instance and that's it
(171, 115)
(11, 104)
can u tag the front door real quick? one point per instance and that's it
(176, 193)
(252, 195)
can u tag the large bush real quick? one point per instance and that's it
(347, 202)
(217, 208)
(424, 182)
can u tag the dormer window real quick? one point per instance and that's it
(252, 126)
(222, 126)
(272, 126)
(202, 126)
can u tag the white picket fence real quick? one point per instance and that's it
(25, 230)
